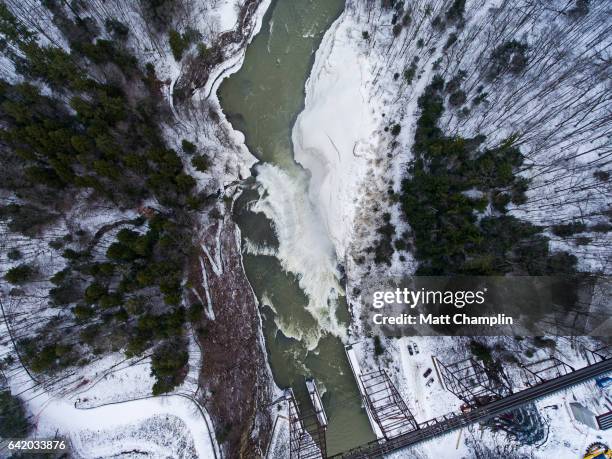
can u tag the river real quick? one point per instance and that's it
(288, 256)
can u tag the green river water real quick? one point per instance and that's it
(262, 100)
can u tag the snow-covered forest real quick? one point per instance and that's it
(469, 137)
(118, 255)
(533, 76)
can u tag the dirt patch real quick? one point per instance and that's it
(234, 376)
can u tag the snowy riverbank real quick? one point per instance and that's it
(335, 134)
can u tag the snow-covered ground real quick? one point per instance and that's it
(105, 409)
(170, 426)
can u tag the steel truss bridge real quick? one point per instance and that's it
(484, 396)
